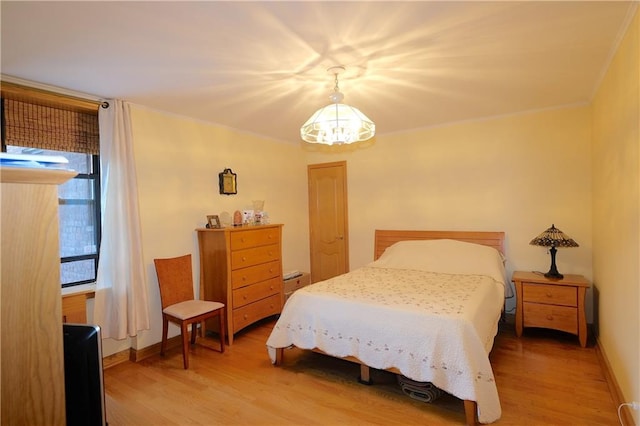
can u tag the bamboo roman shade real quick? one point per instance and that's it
(41, 126)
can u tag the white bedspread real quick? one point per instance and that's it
(432, 327)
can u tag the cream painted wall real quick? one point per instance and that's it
(178, 161)
(616, 212)
(517, 174)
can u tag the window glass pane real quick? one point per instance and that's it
(77, 271)
(77, 230)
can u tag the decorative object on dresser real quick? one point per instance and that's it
(237, 218)
(295, 280)
(242, 266)
(175, 278)
(553, 237)
(228, 182)
(550, 303)
(213, 221)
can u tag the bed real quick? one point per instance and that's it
(427, 308)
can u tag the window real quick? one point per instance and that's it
(79, 216)
(30, 128)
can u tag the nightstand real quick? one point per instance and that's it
(550, 303)
(295, 283)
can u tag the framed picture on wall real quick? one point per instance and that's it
(213, 221)
(227, 180)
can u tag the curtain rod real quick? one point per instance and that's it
(59, 91)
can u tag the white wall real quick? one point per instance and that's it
(178, 161)
(616, 207)
(517, 174)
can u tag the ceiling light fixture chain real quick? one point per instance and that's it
(337, 123)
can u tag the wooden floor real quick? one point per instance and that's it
(543, 378)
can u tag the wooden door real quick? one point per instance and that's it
(328, 220)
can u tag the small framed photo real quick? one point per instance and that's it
(213, 221)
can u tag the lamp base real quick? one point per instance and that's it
(554, 275)
(553, 271)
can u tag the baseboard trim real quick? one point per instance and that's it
(137, 355)
(115, 359)
(614, 387)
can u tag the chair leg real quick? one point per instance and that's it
(222, 336)
(165, 328)
(194, 330)
(184, 331)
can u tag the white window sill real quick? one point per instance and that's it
(79, 289)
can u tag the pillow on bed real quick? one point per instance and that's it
(445, 256)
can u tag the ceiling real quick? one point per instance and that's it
(261, 67)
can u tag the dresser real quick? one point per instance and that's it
(32, 365)
(551, 303)
(242, 267)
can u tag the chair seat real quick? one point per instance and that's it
(191, 308)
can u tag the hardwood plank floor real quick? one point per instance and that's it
(543, 378)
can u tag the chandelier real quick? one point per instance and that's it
(337, 123)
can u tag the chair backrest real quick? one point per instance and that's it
(175, 279)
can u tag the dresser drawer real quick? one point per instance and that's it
(253, 274)
(249, 294)
(254, 238)
(561, 318)
(551, 294)
(251, 313)
(254, 256)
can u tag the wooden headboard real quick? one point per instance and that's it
(385, 238)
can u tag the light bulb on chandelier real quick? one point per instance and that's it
(337, 123)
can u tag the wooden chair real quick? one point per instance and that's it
(175, 280)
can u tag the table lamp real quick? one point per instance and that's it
(553, 237)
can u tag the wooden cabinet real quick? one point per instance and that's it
(295, 283)
(74, 307)
(32, 364)
(549, 303)
(242, 267)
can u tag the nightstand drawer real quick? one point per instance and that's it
(561, 318)
(550, 294)
(296, 283)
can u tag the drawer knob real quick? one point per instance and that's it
(270, 287)
(244, 278)
(244, 258)
(246, 316)
(549, 294)
(244, 297)
(550, 317)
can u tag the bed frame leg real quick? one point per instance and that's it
(365, 375)
(471, 412)
(279, 356)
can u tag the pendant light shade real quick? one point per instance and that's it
(337, 123)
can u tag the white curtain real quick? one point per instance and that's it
(121, 302)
